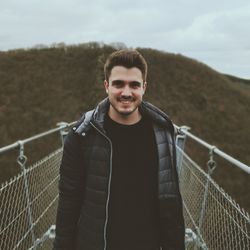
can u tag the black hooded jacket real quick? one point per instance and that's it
(85, 177)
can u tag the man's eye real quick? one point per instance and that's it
(135, 85)
(117, 84)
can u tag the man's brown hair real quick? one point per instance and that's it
(128, 58)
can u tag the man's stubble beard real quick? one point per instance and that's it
(125, 114)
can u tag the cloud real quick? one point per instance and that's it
(207, 31)
(215, 31)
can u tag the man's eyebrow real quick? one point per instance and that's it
(121, 81)
(117, 81)
(136, 82)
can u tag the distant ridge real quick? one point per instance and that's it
(237, 79)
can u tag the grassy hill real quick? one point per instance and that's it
(40, 87)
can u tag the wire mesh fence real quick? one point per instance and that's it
(214, 220)
(23, 222)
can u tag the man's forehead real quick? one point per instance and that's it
(125, 74)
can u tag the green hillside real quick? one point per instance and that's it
(40, 87)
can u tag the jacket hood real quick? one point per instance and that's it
(97, 116)
(156, 115)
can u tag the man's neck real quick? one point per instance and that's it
(124, 119)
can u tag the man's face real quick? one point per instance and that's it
(125, 89)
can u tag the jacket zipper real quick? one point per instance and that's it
(109, 185)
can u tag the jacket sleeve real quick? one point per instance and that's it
(71, 189)
(172, 227)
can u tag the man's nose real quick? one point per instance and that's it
(126, 91)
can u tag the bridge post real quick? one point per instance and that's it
(211, 164)
(180, 145)
(21, 160)
(63, 132)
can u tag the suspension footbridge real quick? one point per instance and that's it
(28, 201)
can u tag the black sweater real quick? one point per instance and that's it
(133, 205)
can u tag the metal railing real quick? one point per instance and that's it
(183, 131)
(61, 127)
(213, 219)
(28, 201)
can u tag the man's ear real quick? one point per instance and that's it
(144, 87)
(106, 85)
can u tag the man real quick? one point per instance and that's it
(118, 186)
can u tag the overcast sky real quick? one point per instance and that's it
(215, 32)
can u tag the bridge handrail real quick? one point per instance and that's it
(181, 130)
(62, 125)
(214, 149)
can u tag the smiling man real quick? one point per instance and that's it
(125, 89)
(118, 186)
